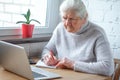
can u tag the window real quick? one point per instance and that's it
(46, 11)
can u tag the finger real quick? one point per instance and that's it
(53, 62)
(45, 60)
(53, 58)
(60, 65)
(51, 55)
(49, 59)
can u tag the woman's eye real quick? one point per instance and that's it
(64, 18)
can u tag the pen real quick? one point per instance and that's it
(42, 59)
(50, 55)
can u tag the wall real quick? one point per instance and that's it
(106, 13)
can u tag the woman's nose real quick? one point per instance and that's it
(68, 22)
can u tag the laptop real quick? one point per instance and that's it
(14, 59)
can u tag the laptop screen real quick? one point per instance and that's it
(14, 58)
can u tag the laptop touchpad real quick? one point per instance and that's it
(37, 74)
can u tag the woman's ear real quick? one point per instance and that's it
(86, 16)
(85, 19)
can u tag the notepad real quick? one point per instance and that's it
(42, 64)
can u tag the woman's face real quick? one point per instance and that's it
(72, 22)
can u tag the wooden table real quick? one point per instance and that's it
(65, 75)
(5, 75)
(72, 75)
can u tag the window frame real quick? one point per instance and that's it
(52, 19)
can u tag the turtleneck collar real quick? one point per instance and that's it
(82, 29)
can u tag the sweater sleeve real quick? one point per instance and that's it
(50, 46)
(104, 64)
(51, 43)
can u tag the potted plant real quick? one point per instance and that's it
(27, 28)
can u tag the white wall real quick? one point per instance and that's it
(106, 13)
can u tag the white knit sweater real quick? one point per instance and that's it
(88, 47)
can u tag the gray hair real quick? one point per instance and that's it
(73, 5)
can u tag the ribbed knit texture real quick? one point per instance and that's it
(88, 47)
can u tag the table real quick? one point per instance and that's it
(65, 75)
(72, 75)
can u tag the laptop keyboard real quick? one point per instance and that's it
(37, 75)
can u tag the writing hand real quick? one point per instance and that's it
(50, 59)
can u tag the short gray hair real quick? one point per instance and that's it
(73, 5)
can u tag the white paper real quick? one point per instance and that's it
(42, 64)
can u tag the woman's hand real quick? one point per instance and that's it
(65, 63)
(50, 59)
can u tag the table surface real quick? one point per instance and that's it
(65, 75)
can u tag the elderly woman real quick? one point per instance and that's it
(77, 43)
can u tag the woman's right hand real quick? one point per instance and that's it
(50, 59)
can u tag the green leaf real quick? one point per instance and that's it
(25, 16)
(28, 22)
(35, 21)
(20, 22)
(28, 15)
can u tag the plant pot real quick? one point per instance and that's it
(27, 30)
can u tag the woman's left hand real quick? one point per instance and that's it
(65, 63)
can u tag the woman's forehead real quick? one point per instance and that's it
(70, 14)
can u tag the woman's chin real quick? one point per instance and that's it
(71, 31)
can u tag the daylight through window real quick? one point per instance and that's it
(10, 11)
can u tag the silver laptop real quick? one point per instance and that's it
(14, 58)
